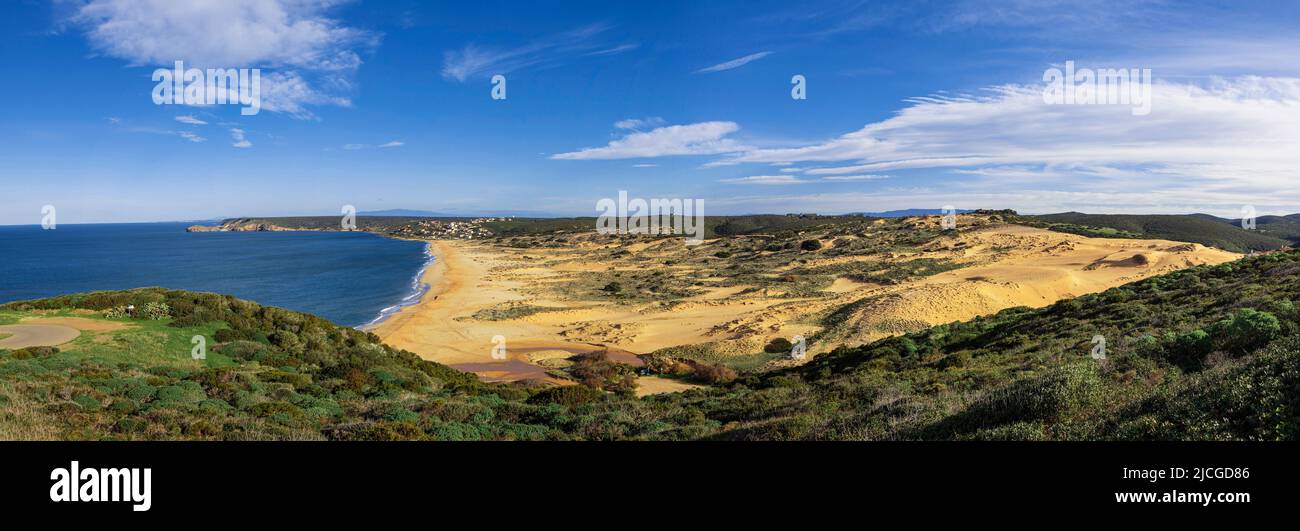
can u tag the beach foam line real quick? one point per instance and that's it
(418, 290)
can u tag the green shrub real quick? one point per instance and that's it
(568, 395)
(1246, 330)
(778, 345)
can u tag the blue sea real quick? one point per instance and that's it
(349, 278)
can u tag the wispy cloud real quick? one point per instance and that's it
(705, 138)
(1230, 141)
(792, 179)
(639, 123)
(190, 136)
(734, 63)
(238, 139)
(766, 180)
(474, 60)
(191, 120)
(385, 145)
(615, 50)
(852, 178)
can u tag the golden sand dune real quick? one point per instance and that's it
(1004, 266)
(1041, 268)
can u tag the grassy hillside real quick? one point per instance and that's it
(1200, 229)
(1203, 353)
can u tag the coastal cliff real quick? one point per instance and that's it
(241, 225)
(399, 227)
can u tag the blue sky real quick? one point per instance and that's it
(387, 104)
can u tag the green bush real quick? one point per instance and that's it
(778, 345)
(1246, 330)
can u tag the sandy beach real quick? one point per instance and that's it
(1005, 266)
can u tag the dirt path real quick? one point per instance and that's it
(30, 335)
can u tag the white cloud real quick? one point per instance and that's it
(474, 60)
(645, 165)
(239, 139)
(191, 120)
(615, 50)
(290, 93)
(393, 144)
(1231, 141)
(293, 37)
(791, 179)
(734, 63)
(639, 123)
(190, 136)
(705, 138)
(221, 33)
(766, 179)
(850, 178)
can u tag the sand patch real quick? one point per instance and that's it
(28, 335)
(655, 385)
(80, 323)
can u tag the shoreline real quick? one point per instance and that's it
(419, 289)
(440, 326)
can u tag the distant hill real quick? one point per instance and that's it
(406, 213)
(409, 213)
(908, 212)
(1198, 228)
(1284, 227)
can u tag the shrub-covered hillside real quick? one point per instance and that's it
(1203, 353)
(268, 374)
(1213, 232)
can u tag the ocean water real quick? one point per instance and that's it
(349, 278)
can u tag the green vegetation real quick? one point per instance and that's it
(1204, 353)
(510, 310)
(1205, 230)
